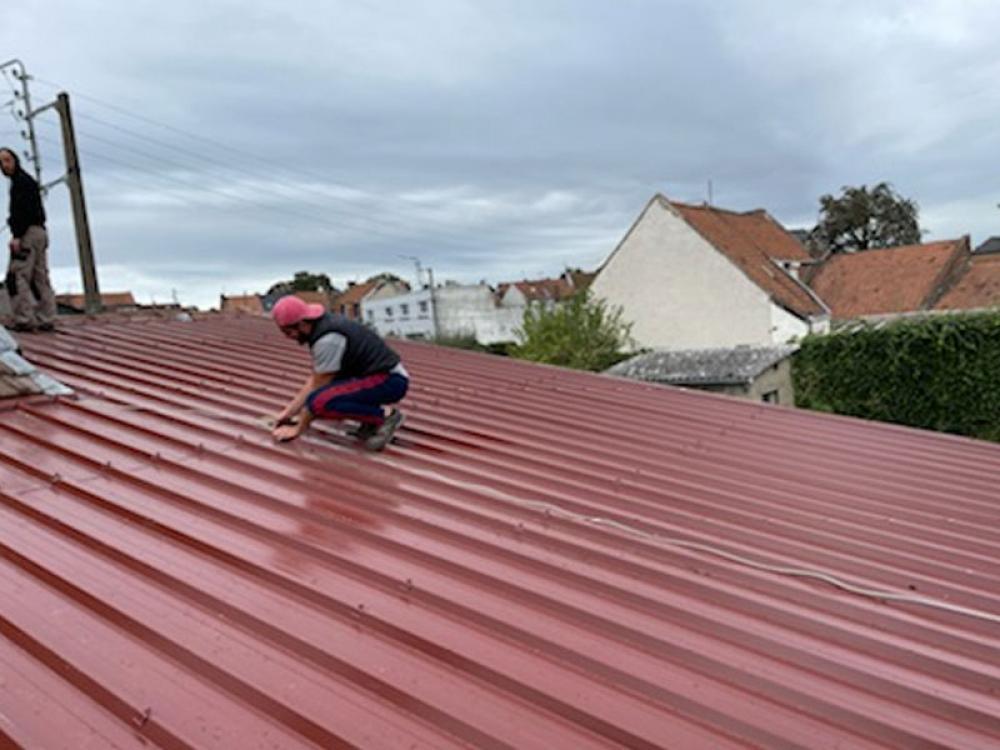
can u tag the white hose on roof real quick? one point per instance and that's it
(554, 510)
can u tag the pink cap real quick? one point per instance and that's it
(290, 310)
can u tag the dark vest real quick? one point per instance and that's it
(366, 352)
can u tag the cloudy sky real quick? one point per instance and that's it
(227, 145)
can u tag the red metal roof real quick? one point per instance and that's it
(536, 563)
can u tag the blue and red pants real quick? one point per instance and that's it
(358, 398)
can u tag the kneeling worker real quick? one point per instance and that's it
(355, 374)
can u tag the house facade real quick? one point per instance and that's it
(409, 315)
(699, 277)
(350, 302)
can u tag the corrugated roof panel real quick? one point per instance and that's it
(545, 559)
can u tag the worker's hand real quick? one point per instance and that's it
(285, 418)
(286, 432)
(15, 246)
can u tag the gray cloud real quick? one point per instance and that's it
(491, 139)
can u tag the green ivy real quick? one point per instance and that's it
(939, 373)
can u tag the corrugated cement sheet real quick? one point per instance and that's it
(546, 559)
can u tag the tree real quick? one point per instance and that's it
(389, 278)
(862, 218)
(582, 332)
(303, 282)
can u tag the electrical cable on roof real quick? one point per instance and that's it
(550, 509)
(554, 510)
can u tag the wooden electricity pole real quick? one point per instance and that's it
(74, 181)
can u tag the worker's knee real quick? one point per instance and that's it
(314, 404)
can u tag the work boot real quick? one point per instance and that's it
(363, 431)
(383, 435)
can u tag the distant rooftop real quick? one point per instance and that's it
(992, 245)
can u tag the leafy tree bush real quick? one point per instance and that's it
(582, 332)
(939, 373)
(304, 281)
(862, 218)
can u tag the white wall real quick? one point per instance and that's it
(682, 293)
(462, 310)
(472, 309)
(407, 315)
(785, 327)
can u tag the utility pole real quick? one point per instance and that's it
(21, 75)
(74, 181)
(72, 178)
(434, 307)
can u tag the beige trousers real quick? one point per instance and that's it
(32, 300)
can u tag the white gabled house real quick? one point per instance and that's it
(700, 277)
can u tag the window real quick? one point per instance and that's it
(371, 315)
(404, 309)
(388, 311)
(771, 397)
(423, 306)
(356, 310)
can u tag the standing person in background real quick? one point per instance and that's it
(31, 296)
(355, 375)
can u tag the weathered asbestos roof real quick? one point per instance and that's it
(888, 280)
(731, 366)
(547, 559)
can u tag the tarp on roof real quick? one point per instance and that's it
(546, 559)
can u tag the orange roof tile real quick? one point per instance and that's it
(539, 289)
(979, 285)
(890, 280)
(355, 294)
(753, 241)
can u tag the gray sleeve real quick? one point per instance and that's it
(327, 352)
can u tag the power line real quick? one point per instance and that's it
(296, 190)
(255, 157)
(185, 183)
(348, 221)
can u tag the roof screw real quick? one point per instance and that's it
(55, 478)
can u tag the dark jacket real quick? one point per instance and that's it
(366, 352)
(26, 208)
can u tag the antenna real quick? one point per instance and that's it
(710, 192)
